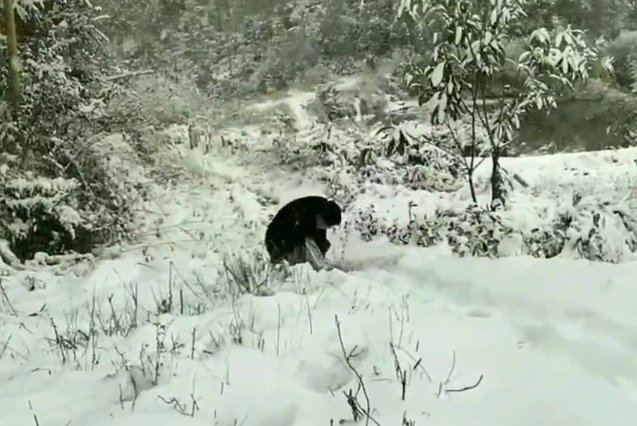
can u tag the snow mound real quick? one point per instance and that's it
(461, 334)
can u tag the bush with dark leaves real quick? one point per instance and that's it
(591, 230)
(57, 192)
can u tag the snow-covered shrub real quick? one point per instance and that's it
(41, 214)
(473, 231)
(342, 187)
(359, 101)
(601, 231)
(427, 162)
(284, 61)
(587, 227)
(366, 223)
(624, 51)
(547, 241)
(55, 134)
(300, 156)
(155, 99)
(348, 156)
(323, 146)
(331, 103)
(423, 232)
(590, 230)
(249, 273)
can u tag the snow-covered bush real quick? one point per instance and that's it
(423, 232)
(153, 99)
(586, 229)
(252, 272)
(331, 104)
(624, 51)
(360, 101)
(549, 240)
(249, 273)
(342, 187)
(54, 135)
(601, 230)
(473, 231)
(347, 156)
(41, 214)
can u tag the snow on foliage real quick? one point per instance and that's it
(356, 158)
(175, 328)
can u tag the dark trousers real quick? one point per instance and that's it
(295, 254)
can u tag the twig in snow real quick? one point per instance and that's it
(192, 342)
(35, 416)
(278, 327)
(417, 363)
(128, 75)
(59, 342)
(182, 407)
(350, 397)
(401, 374)
(452, 368)
(5, 346)
(466, 388)
(309, 311)
(5, 296)
(443, 385)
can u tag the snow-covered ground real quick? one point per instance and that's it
(157, 334)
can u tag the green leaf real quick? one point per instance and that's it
(488, 37)
(437, 74)
(458, 35)
(494, 16)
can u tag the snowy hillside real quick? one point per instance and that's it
(161, 333)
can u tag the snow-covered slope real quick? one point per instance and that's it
(158, 335)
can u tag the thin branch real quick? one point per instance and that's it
(466, 388)
(127, 75)
(417, 363)
(346, 356)
(452, 368)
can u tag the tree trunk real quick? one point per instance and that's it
(472, 187)
(13, 61)
(498, 191)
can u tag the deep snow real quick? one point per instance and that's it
(548, 342)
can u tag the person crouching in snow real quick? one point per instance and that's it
(298, 232)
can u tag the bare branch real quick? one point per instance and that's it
(128, 75)
(466, 388)
(359, 378)
(452, 368)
